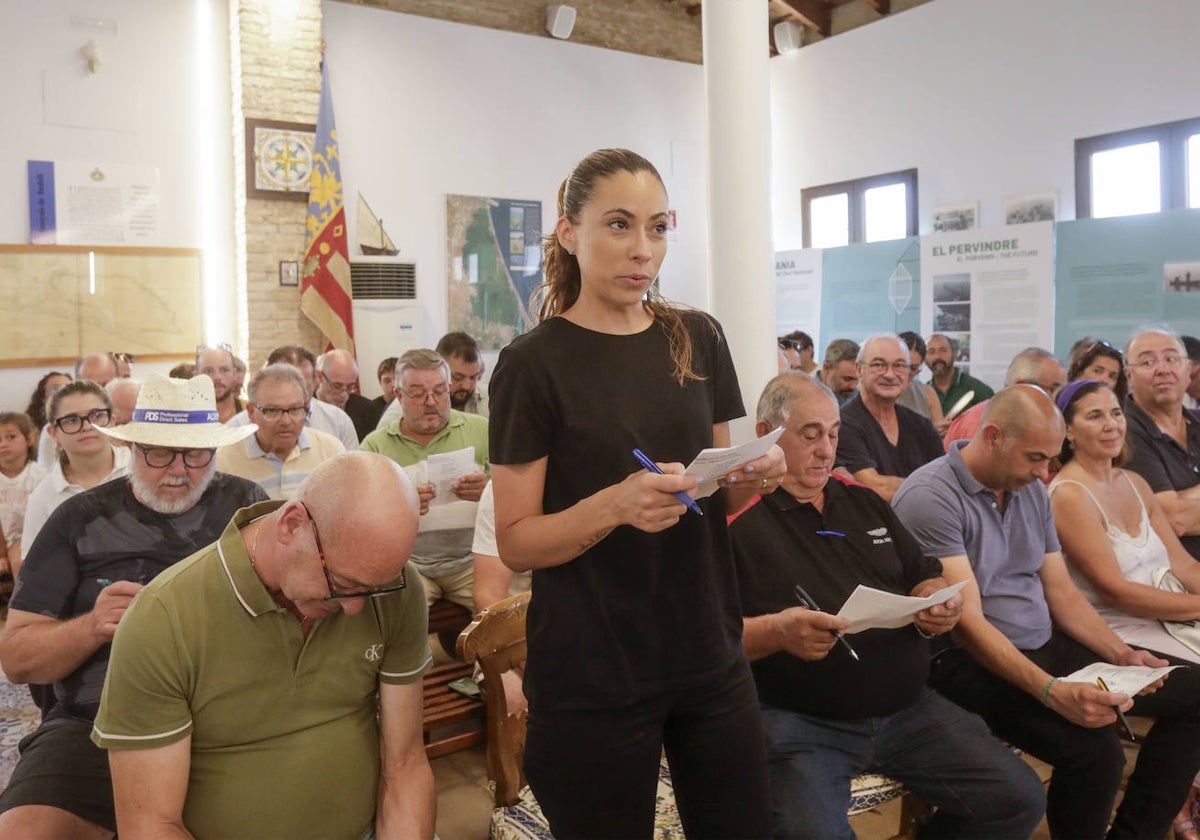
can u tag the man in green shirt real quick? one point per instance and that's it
(427, 427)
(241, 698)
(952, 383)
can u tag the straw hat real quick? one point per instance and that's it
(178, 413)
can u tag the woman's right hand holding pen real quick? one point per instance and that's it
(647, 501)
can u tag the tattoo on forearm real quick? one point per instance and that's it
(593, 539)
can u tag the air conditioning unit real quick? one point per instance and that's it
(387, 315)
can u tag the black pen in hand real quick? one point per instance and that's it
(807, 602)
(1120, 715)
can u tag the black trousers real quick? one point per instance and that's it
(1088, 763)
(595, 772)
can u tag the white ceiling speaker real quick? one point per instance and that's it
(560, 20)
(787, 36)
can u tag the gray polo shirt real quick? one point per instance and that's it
(951, 514)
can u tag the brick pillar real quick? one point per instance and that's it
(276, 75)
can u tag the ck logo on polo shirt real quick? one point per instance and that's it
(374, 653)
(879, 536)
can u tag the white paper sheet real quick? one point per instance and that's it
(445, 468)
(714, 464)
(1123, 679)
(867, 607)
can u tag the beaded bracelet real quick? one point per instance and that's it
(1046, 691)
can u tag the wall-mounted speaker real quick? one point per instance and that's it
(560, 20)
(787, 36)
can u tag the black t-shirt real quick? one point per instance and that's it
(637, 612)
(364, 414)
(777, 544)
(106, 534)
(863, 445)
(1158, 457)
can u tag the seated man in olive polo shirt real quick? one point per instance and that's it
(241, 696)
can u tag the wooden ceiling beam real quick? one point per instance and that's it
(884, 7)
(813, 14)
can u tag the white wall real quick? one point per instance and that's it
(425, 108)
(985, 99)
(150, 69)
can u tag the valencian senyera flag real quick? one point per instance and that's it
(325, 286)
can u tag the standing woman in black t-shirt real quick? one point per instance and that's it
(634, 626)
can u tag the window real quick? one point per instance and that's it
(1142, 170)
(864, 210)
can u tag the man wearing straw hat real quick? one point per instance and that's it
(96, 551)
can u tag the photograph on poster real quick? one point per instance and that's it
(963, 341)
(951, 317)
(1181, 277)
(952, 288)
(955, 217)
(1030, 207)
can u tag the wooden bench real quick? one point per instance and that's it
(451, 721)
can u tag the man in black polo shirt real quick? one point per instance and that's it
(828, 716)
(1163, 436)
(883, 441)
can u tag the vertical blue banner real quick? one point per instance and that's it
(43, 230)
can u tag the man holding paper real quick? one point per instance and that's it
(983, 510)
(445, 453)
(827, 716)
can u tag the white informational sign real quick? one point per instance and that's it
(75, 203)
(798, 293)
(992, 291)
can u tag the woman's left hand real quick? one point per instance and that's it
(761, 475)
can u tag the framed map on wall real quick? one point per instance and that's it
(61, 302)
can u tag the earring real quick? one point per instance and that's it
(571, 251)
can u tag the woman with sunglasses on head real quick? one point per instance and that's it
(1117, 540)
(1102, 362)
(634, 625)
(85, 459)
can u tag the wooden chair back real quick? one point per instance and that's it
(496, 640)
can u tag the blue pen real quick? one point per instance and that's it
(681, 496)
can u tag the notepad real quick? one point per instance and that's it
(1120, 679)
(446, 468)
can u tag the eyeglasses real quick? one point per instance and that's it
(271, 413)
(880, 366)
(72, 424)
(337, 387)
(122, 357)
(162, 456)
(334, 595)
(788, 344)
(422, 394)
(1149, 363)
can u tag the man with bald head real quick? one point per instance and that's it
(241, 696)
(882, 441)
(1032, 366)
(828, 716)
(337, 381)
(982, 509)
(1163, 436)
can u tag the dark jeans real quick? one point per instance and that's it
(1088, 762)
(595, 772)
(942, 753)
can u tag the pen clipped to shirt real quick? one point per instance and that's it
(653, 467)
(807, 602)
